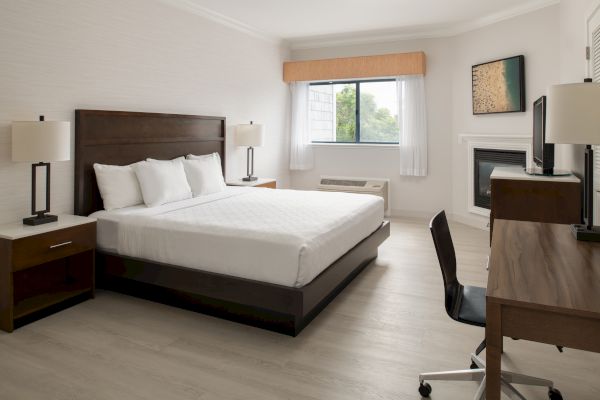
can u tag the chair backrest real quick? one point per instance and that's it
(447, 258)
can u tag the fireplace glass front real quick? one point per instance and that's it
(485, 160)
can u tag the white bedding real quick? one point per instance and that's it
(285, 237)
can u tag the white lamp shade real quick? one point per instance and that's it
(249, 135)
(39, 141)
(573, 113)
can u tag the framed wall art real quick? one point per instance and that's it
(499, 86)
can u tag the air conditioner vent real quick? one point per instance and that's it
(342, 182)
(376, 186)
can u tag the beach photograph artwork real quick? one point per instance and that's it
(498, 86)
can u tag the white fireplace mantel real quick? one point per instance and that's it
(491, 141)
(494, 138)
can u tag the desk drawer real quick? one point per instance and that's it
(38, 249)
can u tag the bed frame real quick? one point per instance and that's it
(121, 138)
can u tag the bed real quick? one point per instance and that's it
(294, 251)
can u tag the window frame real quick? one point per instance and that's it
(356, 82)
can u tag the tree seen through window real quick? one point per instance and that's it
(377, 112)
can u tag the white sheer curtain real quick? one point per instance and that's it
(301, 154)
(412, 116)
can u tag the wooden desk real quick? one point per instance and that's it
(543, 286)
(520, 196)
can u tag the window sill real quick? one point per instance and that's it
(357, 145)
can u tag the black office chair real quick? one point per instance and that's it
(466, 304)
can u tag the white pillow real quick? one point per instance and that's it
(118, 186)
(205, 156)
(162, 182)
(204, 175)
(176, 159)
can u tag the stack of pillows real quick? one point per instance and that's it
(157, 182)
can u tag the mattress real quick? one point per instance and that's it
(284, 237)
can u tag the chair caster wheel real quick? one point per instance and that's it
(425, 389)
(554, 394)
(474, 366)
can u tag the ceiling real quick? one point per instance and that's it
(297, 21)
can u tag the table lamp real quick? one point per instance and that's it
(574, 118)
(251, 135)
(40, 142)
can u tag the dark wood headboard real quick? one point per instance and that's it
(121, 138)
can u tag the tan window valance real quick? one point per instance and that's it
(355, 67)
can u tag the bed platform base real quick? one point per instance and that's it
(274, 307)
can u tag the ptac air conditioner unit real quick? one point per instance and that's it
(378, 187)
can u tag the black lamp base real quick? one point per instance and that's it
(249, 179)
(40, 215)
(40, 219)
(583, 233)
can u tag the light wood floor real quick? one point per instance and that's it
(369, 343)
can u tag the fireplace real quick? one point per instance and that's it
(478, 142)
(485, 160)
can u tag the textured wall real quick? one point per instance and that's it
(535, 35)
(573, 66)
(409, 195)
(448, 86)
(136, 55)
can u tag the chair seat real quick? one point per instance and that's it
(472, 307)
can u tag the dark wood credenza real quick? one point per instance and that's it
(519, 196)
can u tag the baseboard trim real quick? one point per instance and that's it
(475, 221)
(411, 214)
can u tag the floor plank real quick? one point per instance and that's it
(369, 343)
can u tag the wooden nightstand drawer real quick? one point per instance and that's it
(38, 249)
(42, 266)
(270, 185)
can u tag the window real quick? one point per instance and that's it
(354, 112)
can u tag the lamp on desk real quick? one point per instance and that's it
(40, 142)
(574, 118)
(251, 135)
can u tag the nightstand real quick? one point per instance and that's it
(43, 266)
(260, 182)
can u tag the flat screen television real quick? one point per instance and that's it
(543, 153)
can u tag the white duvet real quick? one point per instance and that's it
(285, 237)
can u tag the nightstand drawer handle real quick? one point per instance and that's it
(61, 244)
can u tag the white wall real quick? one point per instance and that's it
(535, 36)
(56, 56)
(573, 66)
(448, 80)
(135, 55)
(410, 195)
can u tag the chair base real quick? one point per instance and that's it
(478, 375)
